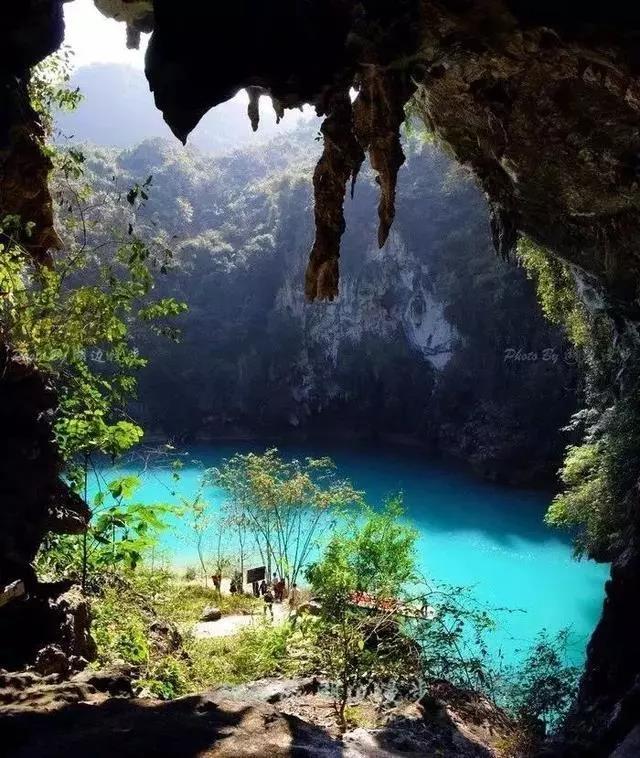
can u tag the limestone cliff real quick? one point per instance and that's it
(433, 340)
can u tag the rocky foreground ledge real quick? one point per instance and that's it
(94, 714)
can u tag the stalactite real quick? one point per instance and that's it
(378, 115)
(278, 108)
(372, 124)
(253, 109)
(341, 160)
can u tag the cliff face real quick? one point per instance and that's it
(389, 297)
(433, 341)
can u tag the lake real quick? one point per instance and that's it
(472, 533)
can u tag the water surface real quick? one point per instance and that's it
(472, 533)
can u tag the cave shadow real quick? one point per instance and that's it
(120, 727)
(438, 731)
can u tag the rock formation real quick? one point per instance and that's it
(269, 717)
(33, 499)
(541, 99)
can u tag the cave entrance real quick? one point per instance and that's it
(435, 351)
(429, 340)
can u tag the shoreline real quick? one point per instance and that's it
(411, 449)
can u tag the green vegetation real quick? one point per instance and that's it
(585, 500)
(286, 505)
(545, 686)
(599, 479)
(136, 618)
(380, 630)
(556, 290)
(119, 533)
(183, 603)
(381, 627)
(363, 644)
(76, 320)
(597, 474)
(253, 653)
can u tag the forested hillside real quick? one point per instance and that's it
(438, 340)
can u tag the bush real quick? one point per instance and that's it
(254, 653)
(122, 616)
(556, 290)
(364, 647)
(540, 692)
(599, 478)
(585, 501)
(167, 679)
(119, 629)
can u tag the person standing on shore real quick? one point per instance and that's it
(268, 601)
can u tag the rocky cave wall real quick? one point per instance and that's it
(541, 99)
(33, 498)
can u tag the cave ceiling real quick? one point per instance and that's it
(541, 100)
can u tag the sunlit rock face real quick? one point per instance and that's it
(387, 298)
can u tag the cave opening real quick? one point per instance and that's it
(427, 338)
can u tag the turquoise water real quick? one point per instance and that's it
(471, 534)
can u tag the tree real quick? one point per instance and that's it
(75, 320)
(540, 691)
(238, 522)
(199, 521)
(120, 532)
(287, 505)
(362, 579)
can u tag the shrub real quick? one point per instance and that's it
(540, 692)
(255, 652)
(586, 499)
(119, 629)
(556, 290)
(361, 647)
(166, 679)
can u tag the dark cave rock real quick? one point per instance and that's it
(49, 628)
(32, 29)
(33, 501)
